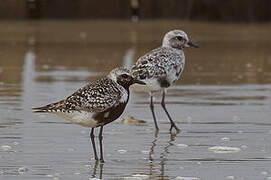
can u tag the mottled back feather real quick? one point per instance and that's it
(158, 63)
(97, 96)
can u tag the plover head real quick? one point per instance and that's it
(177, 39)
(123, 77)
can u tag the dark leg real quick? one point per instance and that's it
(101, 144)
(93, 143)
(165, 109)
(152, 111)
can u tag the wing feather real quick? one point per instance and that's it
(156, 63)
(94, 97)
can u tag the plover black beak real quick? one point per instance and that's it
(139, 82)
(192, 44)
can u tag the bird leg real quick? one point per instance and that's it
(165, 109)
(101, 144)
(153, 115)
(93, 143)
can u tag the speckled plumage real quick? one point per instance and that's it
(161, 67)
(92, 104)
(97, 96)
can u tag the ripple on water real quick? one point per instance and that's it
(181, 145)
(137, 177)
(224, 149)
(230, 177)
(22, 169)
(145, 152)
(5, 148)
(225, 139)
(187, 178)
(122, 151)
(264, 173)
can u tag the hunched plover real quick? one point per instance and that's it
(161, 67)
(97, 104)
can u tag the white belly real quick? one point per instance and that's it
(152, 84)
(82, 118)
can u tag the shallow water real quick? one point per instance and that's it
(222, 99)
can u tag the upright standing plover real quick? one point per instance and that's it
(97, 104)
(161, 67)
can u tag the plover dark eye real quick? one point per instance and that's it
(180, 38)
(124, 76)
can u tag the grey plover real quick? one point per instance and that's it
(97, 104)
(161, 67)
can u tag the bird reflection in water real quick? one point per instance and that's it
(95, 167)
(163, 155)
(152, 152)
(152, 161)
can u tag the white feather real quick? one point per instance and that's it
(124, 94)
(82, 118)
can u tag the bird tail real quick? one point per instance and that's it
(48, 108)
(43, 109)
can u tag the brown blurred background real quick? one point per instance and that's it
(90, 36)
(208, 10)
